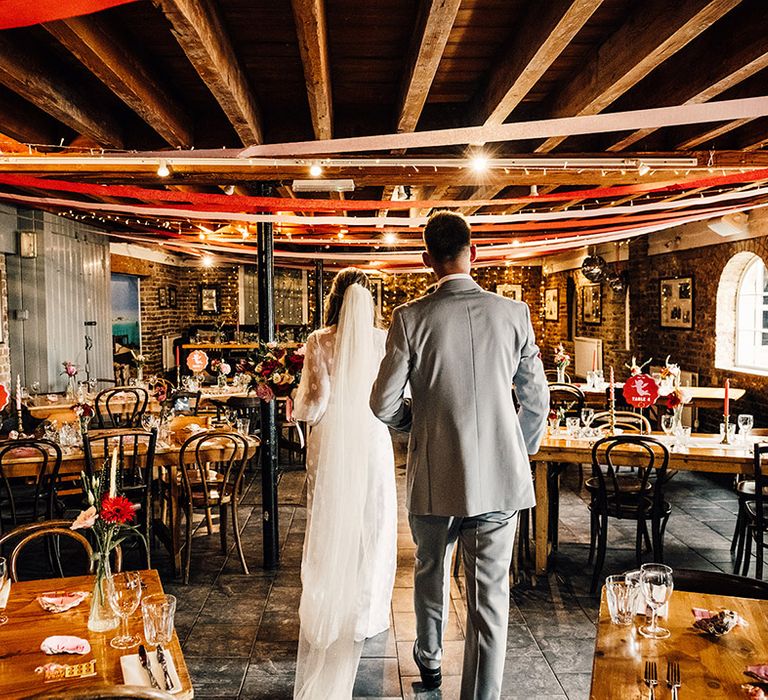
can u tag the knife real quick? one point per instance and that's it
(144, 659)
(164, 663)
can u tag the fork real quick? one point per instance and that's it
(673, 677)
(651, 678)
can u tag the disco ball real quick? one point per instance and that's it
(593, 268)
(616, 281)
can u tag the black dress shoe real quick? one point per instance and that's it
(431, 678)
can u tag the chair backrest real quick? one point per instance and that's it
(186, 402)
(45, 457)
(121, 407)
(135, 454)
(761, 489)
(104, 692)
(226, 451)
(716, 583)
(551, 375)
(609, 453)
(628, 421)
(566, 396)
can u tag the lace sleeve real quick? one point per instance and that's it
(315, 386)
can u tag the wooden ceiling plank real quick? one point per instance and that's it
(109, 57)
(481, 193)
(711, 134)
(23, 123)
(48, 89)
(655, 30)
(436, 18)
(547, 29)
(312, 33)
(199, 29)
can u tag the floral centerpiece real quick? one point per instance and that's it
(70, 370)
(562, 360)
(670, 377)
(274, 371)
(634, 368)
(221, 369)
(109, 517)
(84, 413)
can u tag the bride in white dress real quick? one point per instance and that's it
(350, 546)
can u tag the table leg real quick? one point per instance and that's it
(541, 540)
(175, 518)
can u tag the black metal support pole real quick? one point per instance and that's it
(269, 447)
(319, 297)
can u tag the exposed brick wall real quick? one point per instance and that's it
(225, 277)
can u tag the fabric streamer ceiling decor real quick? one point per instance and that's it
(24, 13)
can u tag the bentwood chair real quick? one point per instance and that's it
(717, 583)
(757, 515)
(641, 504)
(627, 421)
(121, 407)
(745, 490)
(212, 484)
(135, 460)
(105, 692)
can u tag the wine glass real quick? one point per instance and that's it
(746, 421)
(3, 584)
(587, 415)
(124, 596)
(668, 423)
(149, 421)
(656, 583)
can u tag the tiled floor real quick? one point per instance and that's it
(239, 632)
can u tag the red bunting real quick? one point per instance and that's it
(24, 13)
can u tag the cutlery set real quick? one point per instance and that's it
(144, 660)
(651, 678)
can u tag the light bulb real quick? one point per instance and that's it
(390, 238)
(315, 170)
(207, 261)
(163, 170)
(479, 163)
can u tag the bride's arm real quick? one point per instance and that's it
(314, 387)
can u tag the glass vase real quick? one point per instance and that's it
(101, 618)
(561, 375)
(222, 381)
(72, 387)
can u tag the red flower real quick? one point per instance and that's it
(117, 509)
(269, 366)
(673, 401)
(278, 353)
(297, 361)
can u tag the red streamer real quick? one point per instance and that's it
(24, 13)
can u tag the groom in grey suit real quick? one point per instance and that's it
(462, 350)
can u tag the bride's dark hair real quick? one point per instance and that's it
(343, 279)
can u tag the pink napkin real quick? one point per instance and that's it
(65, 644)
(704, 614)
(60, 601)
(760, 672)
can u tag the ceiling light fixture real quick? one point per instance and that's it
(643, 169)
(534, 190)
(163, 170)
(315, 170)
(229, 189)
(479, 163)
(207, 261)
(390, 238)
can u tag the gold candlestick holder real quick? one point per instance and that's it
(726, 429)
(19, 424)
(612, 414)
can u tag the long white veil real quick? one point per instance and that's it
(337, 567)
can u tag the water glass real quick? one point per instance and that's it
(668, 423)
(587, 415)
(683, 434)
(622, 593)
(124, 595)
(746, 422)
(243, 426)
(157, 612)
(599, 379)
(657, 585)
(572, 425)
(4, 575)
(590, 380)
(731, 431)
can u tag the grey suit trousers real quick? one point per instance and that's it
(486, 544)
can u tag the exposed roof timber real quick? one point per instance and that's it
(199, 29)
(28, 75)
(546, 189)
(108, 56)
(311, 29)
(24, 123)
(547, 29)
(482, 193)
(711, 134)
(436, 18)
(654, 31)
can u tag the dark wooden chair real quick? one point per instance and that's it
(104, 692)
(136, 458)
(757, 516)
(745, 490)
(612, 499)
(186, 402)
(716, 583)
(211, 485)
(627, 421)
(121, 407)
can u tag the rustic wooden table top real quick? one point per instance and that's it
(29, 625)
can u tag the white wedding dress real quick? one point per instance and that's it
(350, 546)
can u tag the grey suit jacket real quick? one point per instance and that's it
(462, 349)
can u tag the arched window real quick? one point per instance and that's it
(752, 317)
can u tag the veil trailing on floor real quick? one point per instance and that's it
(337, 568)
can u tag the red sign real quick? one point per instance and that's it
(641, 391)
(197, 361)
(4, 396)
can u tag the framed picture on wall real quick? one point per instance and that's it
(209, 299)
(162, 297)
(551, 304)
(172, 303)
(511, 291)
(676, 302)
(591, 304)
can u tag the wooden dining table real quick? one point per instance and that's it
(705, 454)
(710, 667)
(28, 625)
(712, 397)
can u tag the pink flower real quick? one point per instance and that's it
(85, 520)
(264, 392)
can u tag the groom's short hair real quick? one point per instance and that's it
(446, 235)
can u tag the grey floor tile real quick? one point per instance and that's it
(413, 690)
(216, 677)
(220, 640)
(377, 678)
(381, 646)
(576, 685)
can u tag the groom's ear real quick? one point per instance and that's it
(426, 258)
(472, 253)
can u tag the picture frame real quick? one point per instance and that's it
(511, 291)
(676, 302)
(162, 297)
(172, 302)
(592, 304)
(209, 299)
(551, 304)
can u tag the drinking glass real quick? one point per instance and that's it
(621, 593)
(746, 421)
(157, 611)
(3, 583)
(683, 434)
(590, 380)
(587, 415)
(668, 423)
(731, 431)
(243, 425)
(35, 388)
(657, 584)
(149, 421)
(599, 380)
(124, 595)
(572, 425)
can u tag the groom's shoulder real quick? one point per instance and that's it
(415, 305)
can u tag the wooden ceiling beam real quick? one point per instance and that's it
(654, 31)
(106, 54)
(50, 90)
(199, 29)
(547, 29)
(481, 193)
(312, 33)
(711, 134)
(22, 122)
(436, 18)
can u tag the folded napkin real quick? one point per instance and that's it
(65, 644)
(59, 601)
(760, 672)
(5, 591)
